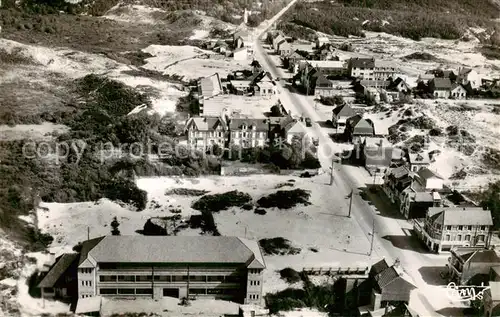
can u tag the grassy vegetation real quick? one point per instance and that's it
(424, 18)
(187, 192)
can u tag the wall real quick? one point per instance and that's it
(255, 282)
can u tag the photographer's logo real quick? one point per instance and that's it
(465, 293)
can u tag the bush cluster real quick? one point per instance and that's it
(278, 246)
(411, 20)
(290, 275)
(218, 202)
(285, 199)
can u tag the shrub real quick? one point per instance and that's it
(153, 229)
(290, 275)
(452, 130)
(435, 132)
(247, 207)
(260, 211)
(186, 192)
(205, 222)
(218, 202)
(278, 246)
(285, 199)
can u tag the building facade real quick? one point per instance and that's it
(228, 268)
(204, 132)
(447, 227)
(471, 265)
(248, 133)
(362, 68)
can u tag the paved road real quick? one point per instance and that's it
(362, 212)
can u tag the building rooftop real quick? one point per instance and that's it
(461, 216)
(374, 83)
(426, 173)
(210, 86)
(259, 124)
(59, 268)
(399, 172)
(363, 62)
(327, 64)
(206, 123)
(176, 249)
(417, 158)
(441, 83)
(344, 111)
(250, 106)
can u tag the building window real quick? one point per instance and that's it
(483, 227)
(86, 271)
(459, 237)
(460, 228)
(143, 278)
(197, 291)
(179, 278)
(232, 279)
(197, 278)
(447, 238)
(107, 291)
(480, 238)
(126, 278)
(144, 291)
(469, 228)
(467, 237)
(218, 278)
(214, 291)
(126, 291)
(448, 227)
(107, 278)
(162, 278)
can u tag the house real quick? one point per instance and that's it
(469, 76)
(277, 41)
(417, 161)
(248, 133)
(373, 94)
(447, 227)
(383, 84)
(279, 126)
(239, 38)
(422, 193)
(457, 91)
(321, 40)
(440, 87)
(240, 54)
(323, 87)
(221, 47)
(330, 68)
(204, 132)
(170, 266)
(375, 153)
(357, 126)
(340, 115)
(471, 266)
(362, 68)
(60, 281)
(389, 289)
(283, 48)
(395, 181)
(297, 129)
(384, 70)
(265, 88)
(240, 87)
(491, 300)
(399, 85)
(291, 60)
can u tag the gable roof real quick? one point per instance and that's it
(259, 124)
(86, 247)
(344, 111)
(210, 86)
(58, 269)
(378, 267)
(363, 62)
(464, 71)
(297, 127)
(417, 158)
(441, 83)
(360, 125)
(206, 123)
(175, 249)
(426, 173)
(455, 86)
(392, 286)
(240, 49)
(399, 172)
(467, 216)
(398, 81)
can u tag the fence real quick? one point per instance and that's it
(357, 270)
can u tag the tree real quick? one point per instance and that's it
(255, 64)
(276, 111)
(114, 225)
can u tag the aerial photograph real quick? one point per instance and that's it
(251, 158)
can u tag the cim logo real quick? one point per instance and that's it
(465, 293)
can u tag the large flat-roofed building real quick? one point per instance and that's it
(175, 266)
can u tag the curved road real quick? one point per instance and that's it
(344, 182)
